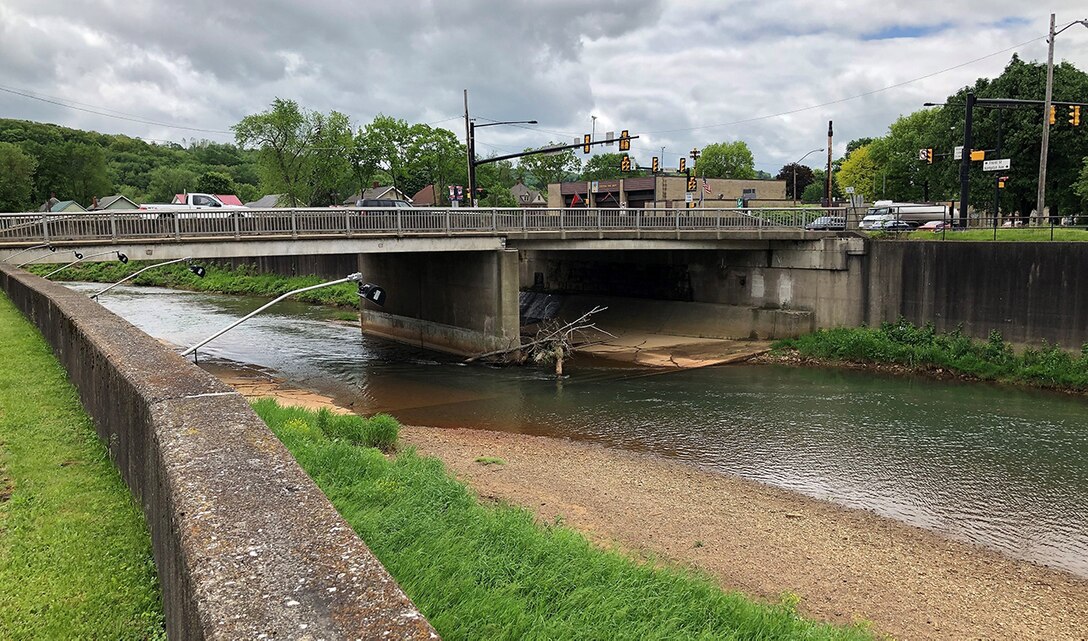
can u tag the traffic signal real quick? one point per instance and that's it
(656, 165)
(692, 204)
(693, 184)
(586, 142)
(625, 141)
(683, 165)
(1053, 114)
(1074, 115)
(1001, 182)
(625, 163)
(929, 155)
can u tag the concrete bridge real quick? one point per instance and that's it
(454, 275)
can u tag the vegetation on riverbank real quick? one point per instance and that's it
(220, 280)
(486, 571)
(925, 349)
(75, 553)
(1014, 234)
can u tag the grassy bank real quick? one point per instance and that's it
(1015, 234)
(75, 554)
(218, 280)
(490, 572)
(923, 349)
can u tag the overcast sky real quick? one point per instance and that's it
(678, 73)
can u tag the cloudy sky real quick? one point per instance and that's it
(678, 73)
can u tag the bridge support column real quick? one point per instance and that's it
(457, 302)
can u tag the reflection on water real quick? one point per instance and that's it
(1001, 467)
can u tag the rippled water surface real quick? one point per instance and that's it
(1003, 467)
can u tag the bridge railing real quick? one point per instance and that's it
(181, 225)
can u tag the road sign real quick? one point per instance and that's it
(958, 153)
(923, 154)
(978, 154)
(688, 197)
(849, 190)
(594, 186)
(997, 165)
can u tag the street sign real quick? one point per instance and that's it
(688, 197)
(923, 154)
(958, 153)
(997, 165)
(978, 154)
(594, 186)
(849, 190)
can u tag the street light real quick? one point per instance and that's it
(795, 171)
(1040, 197)
(367, 291)
(80, 258)
(51, 250)
(472, 127)
(196, 269)
(23, 251)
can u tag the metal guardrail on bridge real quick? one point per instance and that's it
(181, 225)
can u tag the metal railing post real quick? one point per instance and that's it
(400, 225)
(177, 227)
(449, 226)
(294, 224)
(237, 217)
(113, 226)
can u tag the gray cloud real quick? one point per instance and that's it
(645, 65)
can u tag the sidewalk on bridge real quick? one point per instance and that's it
(683, 352)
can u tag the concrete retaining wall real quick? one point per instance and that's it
(245, 543)
(1030, 291)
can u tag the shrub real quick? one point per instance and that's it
(381, 431)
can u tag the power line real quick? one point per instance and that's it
(104, 111)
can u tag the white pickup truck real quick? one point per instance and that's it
(196, 206)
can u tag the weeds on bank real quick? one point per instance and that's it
(491, 572)
(220, 280)
(75, 553)
(924, 348)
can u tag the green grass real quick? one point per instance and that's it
(75, 554)
(218, 279)
(490, 460)
(1021, 234)
(491, 572)
(923, 348)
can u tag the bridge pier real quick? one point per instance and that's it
(457, 302)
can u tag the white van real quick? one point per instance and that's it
(913, 214)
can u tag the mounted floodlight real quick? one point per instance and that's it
(28, 249)
(80, 258)
(52, 250)
(372, 293)
(196, 269)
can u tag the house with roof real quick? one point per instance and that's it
(386, 192)
(116, 201)
(269, 201)
(425, 197)
(66, 206)
(526, 197)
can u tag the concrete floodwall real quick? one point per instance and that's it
(1028, 291)
(245, 543)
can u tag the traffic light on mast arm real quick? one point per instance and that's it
(625, 141)
(929, 155)
(683, 165)
(587, 142)
(1053, 114)
(656, 165)
(625, 163)
(1074, 115)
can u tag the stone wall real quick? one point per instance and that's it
(245, 543)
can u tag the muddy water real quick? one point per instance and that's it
(1005, 468)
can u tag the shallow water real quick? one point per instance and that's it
(1003, 467)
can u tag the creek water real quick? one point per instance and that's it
(1002, 467)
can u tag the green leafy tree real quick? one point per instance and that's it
(726, 160)
(434, 156)
(897, 173)
(16, 178)
(384, 142)
(327, 168)
(1080, 187)
(607, 167)
(544, 169)
(859, 171)
(283, 135)
(165, 182)
(214, 182)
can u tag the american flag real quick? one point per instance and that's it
(706, 186)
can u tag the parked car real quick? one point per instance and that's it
(935, 225)
(827, 223)
(891, 225)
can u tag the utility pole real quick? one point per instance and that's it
(1040, 194)
(997, 176)
(471, 147)
(965, 161)
(830, 136)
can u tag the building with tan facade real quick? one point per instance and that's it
(667, 192)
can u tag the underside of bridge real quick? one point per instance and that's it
(474, 302)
